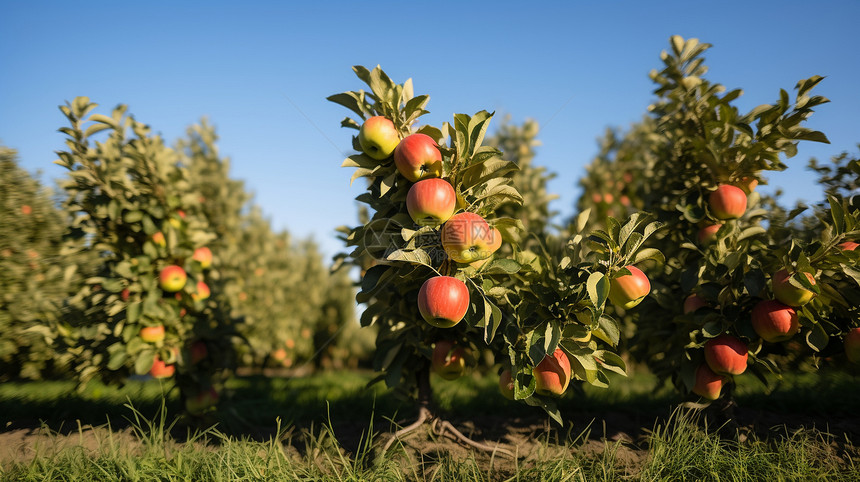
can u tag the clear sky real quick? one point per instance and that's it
(260, 71)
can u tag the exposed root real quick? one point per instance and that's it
(445, 428)
(424, 415)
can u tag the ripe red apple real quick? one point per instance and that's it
(160, 369)
(708, 384)
(726, 355)
(158, 239)
(506, 384)
(378, 137)
(443, 301)
(280, 354)
(552, 374)
(774, 321)
(629, 290)
(852, 345)
(431, 202)
(747, 184)
(467, 237)
(198, 351)
(203, 256)
(418, 157)
(789, 294)
(202, 292)
(708, 233)
(152, 334)
(728, 202)
(26, 210)
(849, 246)
(693, 303)
(495, 243)
(172, 278)
(125, 294)
(202, 402)
(449, 360)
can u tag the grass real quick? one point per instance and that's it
(327, 427)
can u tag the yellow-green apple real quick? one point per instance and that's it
(629, 290)
(726, 355)
(728, 202)
(172, 278)
(849, 246)
(449, 360)
(789, 294)
(158, 239)
(708, 233)
(693, 303)
(198, 351)
(378, 137)
(443, 301)
(160, 369)
(552, 374)
(417, 157)
(506, 384)
(774, 321)
(708, 384)
(852, 345)
(431, 202)
(152, 334)
(203, 256)
(202, 292)
(467, 237)
(201, 402)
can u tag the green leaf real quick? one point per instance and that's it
(144, 360)
(817, 337)
(598, 289)
(649, 253)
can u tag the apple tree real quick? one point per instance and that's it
(440, 288)
(146, 304)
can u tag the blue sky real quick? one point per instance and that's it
(260, 71)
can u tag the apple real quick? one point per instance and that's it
(202, 292)
(203, 256)
(202, 402)
(467, 237)
(708, 233)
(378, 137)
(26, 210)
(417, 157)
(199, 351)
(443, 301)
(280, 354)
(726, 355)
(152, 334)
(449, 360)
(789, 294)
(552, 374)
(708, 384)
(852, 345)
(431, 202)
(747, 184)
(495, 243)
(172, 278)
(160, 369)
(624, 200)
(629, 290)
(158, 239)
(774, 321)
(728, 202)
(506, 384)
(849, 246)
(693, 303)
(125, 294)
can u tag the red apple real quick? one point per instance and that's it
(125, 294)
(199, 351)
(431, 202)
(629, 290)
(506, 384)
(708, 233)
(726, 355)
(26, 210)
(418, 157)
(552, 374)
(774, 321)
(378, 137)
(443, 301)
(693, 303)
(202, 292)
(495, 243)
(728, 202)
(203, 256)
(158, 239)
(708, 384)
(789, 294)
(202, 402)
(160, 369)
(172, 278)
(852, 345)
(849, 246)
(280, 354)
(449, 360)
(152, 334)
(467, 237)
